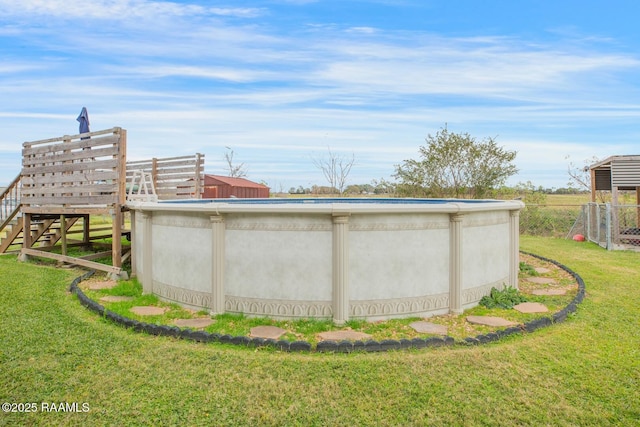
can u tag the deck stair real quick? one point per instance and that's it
(44, 233)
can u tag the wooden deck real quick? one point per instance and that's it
(75, 176)
(66, 180)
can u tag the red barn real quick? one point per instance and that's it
(224, 187)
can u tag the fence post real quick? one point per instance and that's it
(599, 224)
(609, 225)
(588, 220)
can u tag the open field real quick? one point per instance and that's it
(583, 372)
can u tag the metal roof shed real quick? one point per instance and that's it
(223, 187)
(616, 173)
(613, 225)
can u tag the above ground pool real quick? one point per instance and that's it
(337, 259)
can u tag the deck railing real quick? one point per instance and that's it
(10, 202)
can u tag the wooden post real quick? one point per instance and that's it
(116, 243)
(593, 185)
(117, 215)
(86, 230)
(63, 234)
(26, 235)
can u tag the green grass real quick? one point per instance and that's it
(584, 372)
(308, 329)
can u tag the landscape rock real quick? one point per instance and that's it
(531, 307)
(343, 335)
(490, 321)
(429, 328)
(268, 332)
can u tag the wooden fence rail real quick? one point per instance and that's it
(79, 170)
(174, 177)
(71, 177)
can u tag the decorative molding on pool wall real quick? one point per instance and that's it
(292, 258)
(334, 346)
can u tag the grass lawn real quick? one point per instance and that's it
(585, 371)
(308, 329)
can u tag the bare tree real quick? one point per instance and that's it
(335, 168)
(235, 170)
(581, 175)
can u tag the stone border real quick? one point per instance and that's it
(333, 346)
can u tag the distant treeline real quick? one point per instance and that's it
(388, 188)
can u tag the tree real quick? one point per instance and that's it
(383, 186)
(235, 170)
(455, 165)
(581, 176)
(335, 168)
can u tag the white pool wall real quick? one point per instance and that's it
(331, 259)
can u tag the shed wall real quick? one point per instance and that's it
(625, 173)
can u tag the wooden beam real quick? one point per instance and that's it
(57, 210)
(97, 255)
(71, 260)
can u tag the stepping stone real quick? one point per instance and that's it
(343, 335)
(429, 328)
(115, 298)
(542, 270)
(490, 321)
(108, 284)
(268, 332)
(148, 310)
(541, 280)
(197, 323)
(531, 307)
(549, 292)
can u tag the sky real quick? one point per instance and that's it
(282, 82)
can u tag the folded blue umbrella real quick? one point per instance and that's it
(83, 118)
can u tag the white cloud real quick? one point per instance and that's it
(218, 73)
(117, 9)
(190, 77)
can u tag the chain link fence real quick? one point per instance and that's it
(610, 226)
(549, 220)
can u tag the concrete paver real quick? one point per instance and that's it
(490, 321)
(343, 335)
(429, 328)
(531, 307)
(268, 332)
